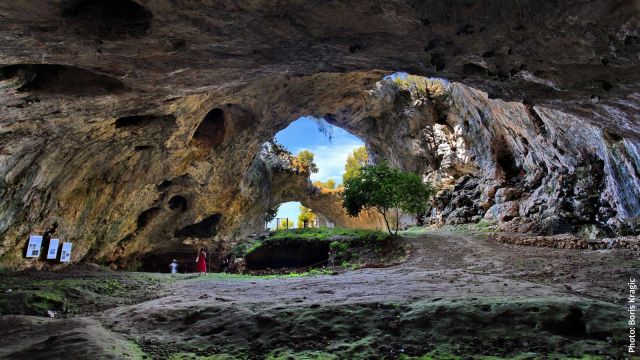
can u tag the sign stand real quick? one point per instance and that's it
(65, 255)
(53, 249)
(33, 248)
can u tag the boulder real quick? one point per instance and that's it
(503, 212)
(506, 194)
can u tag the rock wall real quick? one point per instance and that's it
(133, 127)
(529, 168)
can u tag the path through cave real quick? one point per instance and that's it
(453, 290)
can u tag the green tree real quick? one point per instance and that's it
(306, 218)
(385, 189)
(286, 224)
(356, 160)
(329, 184)
(271, 214)
(305, 158)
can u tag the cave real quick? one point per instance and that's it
(142, 120)
(60, 79)
(210, 131)
(178, 202)
(507, 163)
(107, 19)
(146, 217)
(289, 254)
(205, 228)
(144, 130)
(158, 262)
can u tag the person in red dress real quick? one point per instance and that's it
(201, 262)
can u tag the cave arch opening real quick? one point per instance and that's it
(330, 147)
(289, 217)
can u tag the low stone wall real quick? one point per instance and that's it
(567, 241)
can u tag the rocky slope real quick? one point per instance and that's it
(131, 127)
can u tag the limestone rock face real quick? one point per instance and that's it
(134, 126)
(559, 168)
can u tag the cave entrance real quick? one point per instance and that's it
(286, 216)
(211, 130)
(294, 215)
(326, 148)
(107, 19)
(289, 253)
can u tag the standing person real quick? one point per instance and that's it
(174, 266)
(201, 262)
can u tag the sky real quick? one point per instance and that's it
(396, 75)
(330, 154)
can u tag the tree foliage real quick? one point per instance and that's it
(271, 213)
(324, 127)
(305, 158)
(306, 218)
(386, 189)
(286, 224)
(356, 160)
(278, 148)
(329, 184)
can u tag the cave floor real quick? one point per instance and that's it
(456, 295)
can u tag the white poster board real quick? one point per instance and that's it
(53, 248)
(33, 249)
(65, 256)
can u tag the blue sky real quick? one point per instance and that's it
(330, 154)
(401, 75)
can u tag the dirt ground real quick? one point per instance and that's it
(456, 296)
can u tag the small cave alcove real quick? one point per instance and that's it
(206, 228)
(143, 120)
(146, 217)
(59, 79)
(178, 203)
(158, 261)
(508, 163)
(288, 253)
(107, 19)
(210, 132)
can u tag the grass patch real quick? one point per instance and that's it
(249, 277)
(323, 234)
(483, 228)
(414, 231)
(447, 353)
(192, 356)
(304, 355)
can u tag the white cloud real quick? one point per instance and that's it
(331, 159)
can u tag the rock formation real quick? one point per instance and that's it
(275, 178)
(134, 125)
